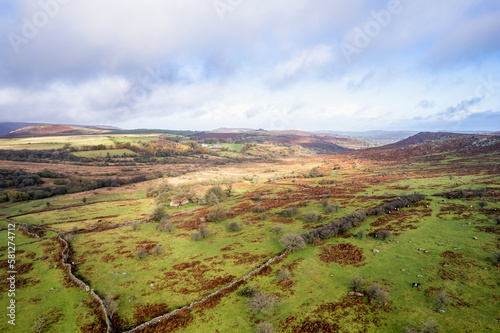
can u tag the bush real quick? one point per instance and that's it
(233, 226)
(312, 217)
(356, 282)
(304, 204)
(217, 213)
(141, 253)
(135, 227)
(292, 242)
(263, 217)
(74, 229)
(157, 249)
(496, 257)
(261, 302)
(482, 204)
(284, 274)
(212, 199)
(166, 225)
(384, 234)
(430, 326)
(377, 294)
(257, 197)
(331, 208)
(40, 325)
(110, 305)
(325, 203)
(196, 236)
(442, 299)
(264, 327)
(203, 230)
(496, 219)
(247, 291)
(257, 209)
(361, 234)
(157, 213)
(277, 229)
(289, 212)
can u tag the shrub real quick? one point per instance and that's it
(257, 197)
(212, 199)
(141, 253)
(217, 213)
(312, 217)
(264, 327)
(277, 229)
(384, 234)
(314, 172)
(331, 208)
(196, 236)
(377, 294)
(247, 291)
(361, 234)
(157, 249)
(40, 325)
(482, 204)
(289, 212)
(233, 226)
(166, 225)
(325, 203)
(430, 326)
(157, 213)
(292, 242)
(74, 229)
(110, 305)
(263, 217)
(442, 299)
(284, 274)
(260, 302)
(135, 226)
(214, 191)
(496, 219)
(304, 204)
(203, 230)
(356, 282)
(257, 209)
(496, 257)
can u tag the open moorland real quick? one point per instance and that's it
(250, 232)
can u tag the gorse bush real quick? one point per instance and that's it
(312, 217)
(261, 302)
(284, 274)
(289, 212)
(141, 253)
(257, 209)
(292, 242)
(217, 213)
(377, 294)
(356, 283)
(264, 327)
(233, 226)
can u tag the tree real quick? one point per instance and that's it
(141, 253)
(356, 282)
(377, 294)
(212, 193)
(84, 200)
(217, 213)
(284, 274)
(157, 213)
(384, 234)
(233, 226)
(292, 242)
(212, 199)
(264, 327)
(482, 204)
(261, 302)
(312, 217)
(110, 305)
(442, 299)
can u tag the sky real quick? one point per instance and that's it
(283, 64)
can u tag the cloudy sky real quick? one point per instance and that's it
(281, 64)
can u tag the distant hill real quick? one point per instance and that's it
(55, 129)
(7, 127)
